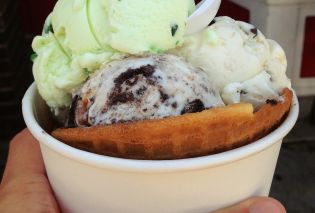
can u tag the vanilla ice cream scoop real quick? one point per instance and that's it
(240, 61)
(150, 87)
(229, 51)
(267, 85)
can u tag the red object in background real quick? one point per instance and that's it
(34, 13)
(308, 58)
(235, 11)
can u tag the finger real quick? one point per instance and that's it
(24, 157)
(256, 205)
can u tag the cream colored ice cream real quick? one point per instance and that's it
(242, 63)
(81, 35)
(264, 86)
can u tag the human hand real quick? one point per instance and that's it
(256, 205)
(25, 187)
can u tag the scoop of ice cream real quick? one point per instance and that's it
(229, 51)
(151, 87)
(52, 72)
(235, 55)
(57, 71)
(57, 74)
(71, 26)
(266, 85)
(130, 27)
(276, 67)
(255, 90)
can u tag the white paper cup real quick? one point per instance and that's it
(86, 182)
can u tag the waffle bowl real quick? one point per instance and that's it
(191, 135)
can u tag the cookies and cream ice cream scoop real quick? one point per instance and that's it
(139, 88)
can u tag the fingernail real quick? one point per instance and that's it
(265, 206)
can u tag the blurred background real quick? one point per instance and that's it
(290, 22)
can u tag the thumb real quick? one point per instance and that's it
(256, 205)
(25, 187)
(24, 157)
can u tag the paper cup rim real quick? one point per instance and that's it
(149, 166)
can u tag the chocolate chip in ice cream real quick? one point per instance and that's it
(254, 31)
(174, 29)
(146, 71)
(163, 96)
(117, 98)
(194, 106)
(141, 90)
(120, 95)
(70, 123)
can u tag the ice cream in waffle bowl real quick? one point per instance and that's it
(166, 97)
